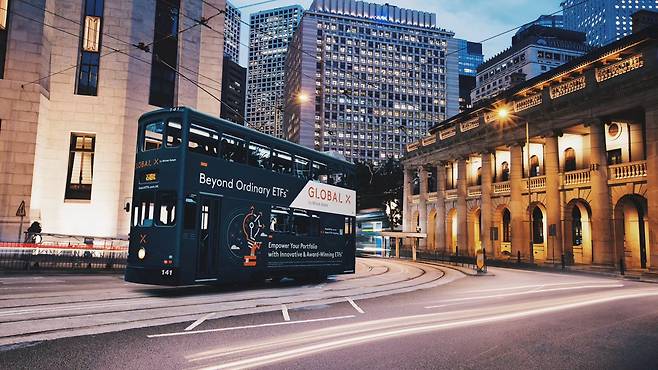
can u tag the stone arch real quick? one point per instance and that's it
(451, 230)
(431, 229)
(502, 220)
(536, 212)
(474, 229)
(578, 232)
(632, 231)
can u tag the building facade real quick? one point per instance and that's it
(363, 79)
(470, 58)
(563, 164)
(234, 91)
(534, 51)
(553, 20)
(71, 94)
(603, 21)
(269, 36)
(232, 25)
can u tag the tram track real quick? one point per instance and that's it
(54, 320)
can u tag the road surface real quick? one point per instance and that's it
(390, 315)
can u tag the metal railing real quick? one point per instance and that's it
(30, 256)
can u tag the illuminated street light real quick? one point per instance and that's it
(302, 97)
(502, 113)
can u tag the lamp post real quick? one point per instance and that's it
(503, 114)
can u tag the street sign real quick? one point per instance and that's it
(20, 212)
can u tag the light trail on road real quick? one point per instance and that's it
(323, 340)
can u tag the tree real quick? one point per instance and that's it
(381, 187)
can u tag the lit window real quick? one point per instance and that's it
(4, 5)
(81, 166)
(92, 33)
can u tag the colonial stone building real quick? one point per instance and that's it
(75, 75)
(565, 163)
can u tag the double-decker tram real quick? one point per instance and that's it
(216, 202)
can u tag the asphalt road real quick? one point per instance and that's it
(391, 315)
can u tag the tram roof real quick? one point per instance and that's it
(234, 126)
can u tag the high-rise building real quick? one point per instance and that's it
(232, 23)
(534, 51)
(69, 108)
(364, 79)
(603, 21)
(553, 20)
(269, 36)
(470, 58)
(234, 84)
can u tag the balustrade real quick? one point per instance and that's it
(535, 183)
(628, 170)
(474, 191)
(501, 187)
(577, 177)
(451, 194)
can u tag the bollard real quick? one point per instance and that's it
(563, 262)
(518, 256)
(621, 266)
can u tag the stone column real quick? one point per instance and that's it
(516, 205)
(441, 208)
(602, 244)
(486, 209)
(422, 204)
(406, 194)
(462, 210)
(651, 137)
(553, 202)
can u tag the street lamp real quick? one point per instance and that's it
(503, 114)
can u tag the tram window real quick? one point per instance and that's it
(166, 208)
(279, 220)
(153, 134)
(281, 162)
(233, 149)
(320, 172)
(299, 223)
(146, 209)
(203, 141)
(259, 155)
(337, 177)
(314, 225)
(174, 134)
(189, 216)
(302, 168)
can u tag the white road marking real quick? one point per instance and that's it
(357, 308)
(199, 321)
(437, 306)
(284, 310)
(249, 326)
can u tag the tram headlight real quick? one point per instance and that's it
(141, 253)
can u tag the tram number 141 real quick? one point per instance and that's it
(167, 272)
